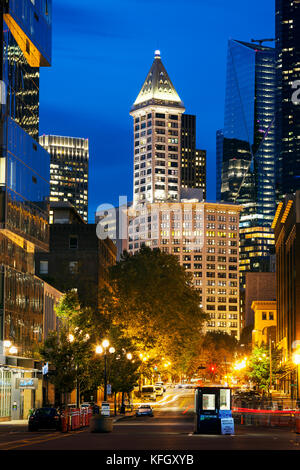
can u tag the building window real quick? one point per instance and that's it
(73, 267)
(73, 242)
(43, 267)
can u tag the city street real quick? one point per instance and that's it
(171, 428)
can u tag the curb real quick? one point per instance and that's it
(119, 418)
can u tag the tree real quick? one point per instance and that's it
(259, 366)
(216, 351)
(156, 304)
(68, 361)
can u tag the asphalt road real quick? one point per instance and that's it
(171, 428)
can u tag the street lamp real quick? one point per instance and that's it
(11, 348)
(100, 350)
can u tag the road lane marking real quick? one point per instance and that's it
(11, 445)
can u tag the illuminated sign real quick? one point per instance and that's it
(27, 383)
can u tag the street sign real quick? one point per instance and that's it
(227, 426)
(105, 409)
(26, 383)
(108, 389)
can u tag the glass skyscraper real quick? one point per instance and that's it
(24, 190)
(246, 161)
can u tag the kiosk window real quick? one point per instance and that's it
(224, 399)
(208, 402)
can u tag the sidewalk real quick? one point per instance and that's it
(22, 425)
(118, 417)
(13, 426)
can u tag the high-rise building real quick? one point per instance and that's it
(69, 170)
(193, 160)
(157, 115)
(286, 226)
(24, 192)
(204, 237)
(219, 159)
(168, 210)
(288, 98)
(248, 148)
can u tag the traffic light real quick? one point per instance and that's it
(212, 368)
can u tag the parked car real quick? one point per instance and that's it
(95, 408)
(44, 418)
(144, 410)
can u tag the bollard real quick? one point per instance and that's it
(64, 422)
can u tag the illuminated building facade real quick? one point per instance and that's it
(205, 238)
(24, 192)
(193, 161)
(286, 227)
(288, 96)
(157, 115)
(69, 170)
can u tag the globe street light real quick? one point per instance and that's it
(100, 350)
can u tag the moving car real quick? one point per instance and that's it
(44, 418)
(159, 390)
(161, 384)
(148, 392)
(144, 410)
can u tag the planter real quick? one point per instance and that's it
(100, 423)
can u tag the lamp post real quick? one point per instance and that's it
(100, 350)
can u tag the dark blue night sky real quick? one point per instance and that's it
(102, 52)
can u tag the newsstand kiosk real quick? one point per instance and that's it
(213, 411)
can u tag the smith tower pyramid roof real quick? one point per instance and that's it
(157, 88)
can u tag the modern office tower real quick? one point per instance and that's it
(193, 161)
(288, 96)
(69, 170)
(24, 191)
(219, 159)
(157, 131)
(286, 226)
(248, 163)
(205, 238)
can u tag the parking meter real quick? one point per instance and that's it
(213, 411)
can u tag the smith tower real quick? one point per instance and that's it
(157, 115)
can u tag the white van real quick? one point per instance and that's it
(148, 392)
